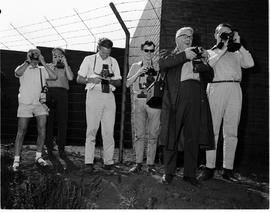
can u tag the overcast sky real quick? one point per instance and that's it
(28, 23)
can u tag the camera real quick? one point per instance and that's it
(60, 64)
(198, 50)
(232, 46)
(105, 87)
(150, 72)
(34, 56)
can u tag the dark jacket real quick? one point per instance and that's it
(171, 64)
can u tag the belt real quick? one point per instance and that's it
(221, 81)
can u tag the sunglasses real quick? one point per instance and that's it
(149, 50)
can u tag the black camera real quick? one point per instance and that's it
(105, 74)
(198, 51)
(60, 64)
(150, 72)
(34, 56)
(232, 46)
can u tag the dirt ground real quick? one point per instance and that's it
(34, 187)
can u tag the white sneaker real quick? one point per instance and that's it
(15, 166)
(40, 161)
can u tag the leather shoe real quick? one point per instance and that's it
(206, 174)
(137, 168)
(192, 180)
(89, 168)
(228, 175)
(166, 179)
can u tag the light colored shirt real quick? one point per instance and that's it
(30, 84)
(89, 66)
(61, 81)
(187, 72)
(229, 65)
(141, 79)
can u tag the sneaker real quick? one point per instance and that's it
(166, 179)
(15, 166)
(151, 169)
(136, 169)
(41, 162)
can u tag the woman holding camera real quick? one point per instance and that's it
(58, 101)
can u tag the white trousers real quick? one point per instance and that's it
(225, 101)
(148, 118)
(100, 108)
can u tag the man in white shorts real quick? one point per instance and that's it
(30, 76)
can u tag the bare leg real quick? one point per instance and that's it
(41, 128)
(22, 129)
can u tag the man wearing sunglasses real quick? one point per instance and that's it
(141, 75)
(184, 108)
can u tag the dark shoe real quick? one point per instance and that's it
(136, 169)
(166, 179)
(206, 174)
(151, 169)
(108, 167)
(63, 155)
(228, 175)
(88, 168)
(192, 180)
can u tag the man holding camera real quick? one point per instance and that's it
(101, 74)
(184, 107)
(30, 103)
(141, 75)
(227, 58)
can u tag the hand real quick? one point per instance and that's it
(142, 70)
(190, 55)
(64, 60)
(28, 56)
(41, 59)
(236, 37)
(95, 80)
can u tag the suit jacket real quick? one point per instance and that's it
(171, 63)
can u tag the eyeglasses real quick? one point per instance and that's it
(149, 50)
(185, 36)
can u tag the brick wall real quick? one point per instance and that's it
(76, 116)
(251, 19)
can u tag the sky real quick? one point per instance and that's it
(76, 24)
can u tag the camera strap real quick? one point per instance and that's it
(41, 81)
(95, 61)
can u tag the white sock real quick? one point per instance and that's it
(38, 155)
(16, 158)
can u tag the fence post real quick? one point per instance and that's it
(126, 67)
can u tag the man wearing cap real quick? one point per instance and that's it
(225, 97)
(101, 74)
(184, 107)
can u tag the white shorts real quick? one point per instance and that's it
(31, 110)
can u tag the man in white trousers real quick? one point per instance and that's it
(140, 77)
(225, 96)
(101, 74)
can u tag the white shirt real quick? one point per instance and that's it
(228, 67)
(30, 85)
(89, 66)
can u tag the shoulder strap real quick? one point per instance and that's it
(40, 74)
(95, 60)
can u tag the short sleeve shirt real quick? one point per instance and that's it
(30, 84)
(92, 65)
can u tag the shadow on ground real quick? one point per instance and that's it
(66, 185)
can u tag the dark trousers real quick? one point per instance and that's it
(184, 116)
(58, 98)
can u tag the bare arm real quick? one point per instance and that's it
(68, 71)
(51, 73)
(85, 80)
(133, 74)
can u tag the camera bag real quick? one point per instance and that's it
(44, 91)
(155, 92)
